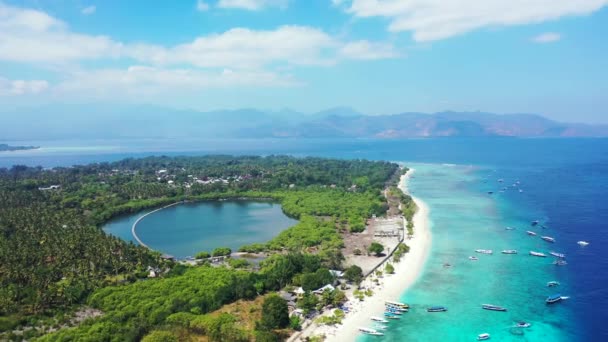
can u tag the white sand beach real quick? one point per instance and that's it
(390, 287)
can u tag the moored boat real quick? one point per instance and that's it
(583, 243)
(473, 258)
(553, 299)
(492, 307)
(522, 324)
(529, 232)
(389, 316)
(437, 309)
(394, 312)
(483, 337)
(373, 332)
(484, 251)
(378, 319)
(509, 228)
(396, 304)
(534, 223)
(559, 255)
(552, 283)
(560, 262)
(509, 251)
(538, 254)
(548, 239)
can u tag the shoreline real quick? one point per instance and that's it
(133, 227)
(392, 286)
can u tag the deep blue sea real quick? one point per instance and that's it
(564, 184)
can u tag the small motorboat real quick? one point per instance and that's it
(559, 255)
(437, 309)
(380, 327)
(531, 233)
(548, 239)
(538, 254)
(560, 262)
(373, 332)
(522, 324)
(447, 265)
(490, 192)
(473, 258)
(583, 243)
(378, 319)
(534, 223)
(509, 251)
(398, 313)
(390, 316)
(484, 251)
(552, 283)
(509, 228)
(553, 299)
(396, 304)
(492, 307)
(520, 190)
(483, 337)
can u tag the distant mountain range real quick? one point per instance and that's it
(115, 122)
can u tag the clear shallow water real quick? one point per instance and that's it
(464, 218)
(565, 184)
(185, 229)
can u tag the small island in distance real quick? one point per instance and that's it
(6, 147)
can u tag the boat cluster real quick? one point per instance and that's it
(392, 310)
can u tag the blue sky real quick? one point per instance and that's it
(378, 56)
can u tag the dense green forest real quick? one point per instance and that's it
(54, 256)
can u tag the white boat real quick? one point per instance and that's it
(559, 255)
(483, 337)
(509, 228)
(378, 319)
(373, 332)
(522, 324)
(484, 251)
(509, 251)
(583, 243)
(560, 262)
(538, 254)
(552, 283)
(529, 232)
(548, 239)
(473, 258)
(396, 304)
(380, 326)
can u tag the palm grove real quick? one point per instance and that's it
(54, 257)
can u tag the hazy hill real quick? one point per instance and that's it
(112, 122)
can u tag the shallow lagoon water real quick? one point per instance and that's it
(186, 229)
(464, 218)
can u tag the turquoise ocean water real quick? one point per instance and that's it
(464, 218)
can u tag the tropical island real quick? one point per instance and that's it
(63, 278)
(6, 147)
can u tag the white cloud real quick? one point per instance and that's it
(237, 57)
(246, 48)
(89, 10)
(547, 37)
(34, 36)
(146, 81)
(202, 6)
(21, 87)
(366, 50)
(251, 5)
(439, 19)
